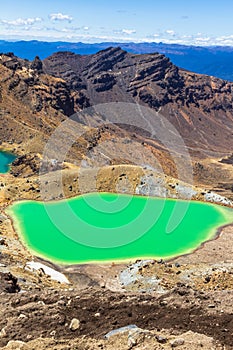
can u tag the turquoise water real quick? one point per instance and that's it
(111, 227)
(5, 160)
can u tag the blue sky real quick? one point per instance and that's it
(200, 22)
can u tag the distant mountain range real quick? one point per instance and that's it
(215, 61)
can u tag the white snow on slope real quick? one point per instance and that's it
(55, 275)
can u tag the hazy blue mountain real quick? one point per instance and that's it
(216, 61)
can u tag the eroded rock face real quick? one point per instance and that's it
(8, 283)
(194, 103)
(114, 75)
(66, 83)
(10, 61)
(27, 83)
(151, 77)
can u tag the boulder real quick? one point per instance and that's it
(8, 283)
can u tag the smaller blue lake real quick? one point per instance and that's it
(5, 160)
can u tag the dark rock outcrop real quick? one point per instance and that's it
(228, 160)
(29, 164)
(150, 79)
(37, 64)
(194, 103)
(26, 81)
(8, 283)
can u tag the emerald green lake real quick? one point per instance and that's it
(113, 227)
(5, 160)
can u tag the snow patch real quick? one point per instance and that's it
(216, 198)
(55, 275)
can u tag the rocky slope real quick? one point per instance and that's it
(200, 107)
(197, 105)
(37, 96)
(85, 319)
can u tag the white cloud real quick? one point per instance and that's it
(203, 40)
(60, 17)
(22, 21)
(72, 30)
(128, 31)
(170, 32)
(31, 28)
(54, 34)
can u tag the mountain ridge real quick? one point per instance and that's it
(66, 83)
(212, 60)
(190, 101)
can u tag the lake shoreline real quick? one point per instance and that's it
(9, 157)
(58, 262)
